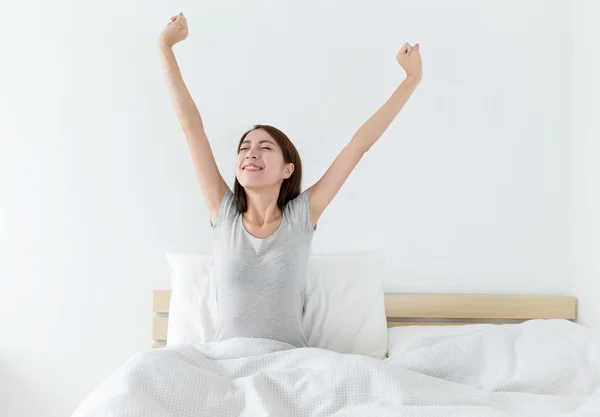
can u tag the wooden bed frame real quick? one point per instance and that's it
(431, 309)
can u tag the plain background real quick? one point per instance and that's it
(585, 192)
(487, 182)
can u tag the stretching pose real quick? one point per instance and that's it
(262, 230)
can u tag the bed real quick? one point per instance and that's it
(529, 359)
(430, 310)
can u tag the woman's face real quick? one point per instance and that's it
(260, 161)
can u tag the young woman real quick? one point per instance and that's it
(262, 230)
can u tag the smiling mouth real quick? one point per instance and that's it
(252, 168)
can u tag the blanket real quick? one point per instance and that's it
(538, 368)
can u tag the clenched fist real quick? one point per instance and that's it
(175, 31)
(409, 59)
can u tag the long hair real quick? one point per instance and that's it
(290, 188)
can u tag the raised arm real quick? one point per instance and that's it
(322, 192)
(212, 184)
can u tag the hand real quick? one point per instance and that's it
(175, 31)
(409, 58)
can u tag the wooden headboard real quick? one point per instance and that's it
(432, 309)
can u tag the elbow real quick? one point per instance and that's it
(362, 143)
(192, 125)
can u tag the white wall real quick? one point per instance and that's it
(468, 191)
(586, 154)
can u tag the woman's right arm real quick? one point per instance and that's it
(212, 184)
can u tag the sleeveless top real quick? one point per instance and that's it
(260, 282)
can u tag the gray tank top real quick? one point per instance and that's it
(260, 282)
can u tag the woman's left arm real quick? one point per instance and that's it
(321, 193)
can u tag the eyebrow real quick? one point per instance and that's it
(260, 142)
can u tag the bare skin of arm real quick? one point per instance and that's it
(323, 191)
(212, 184)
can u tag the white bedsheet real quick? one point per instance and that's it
(539, 368)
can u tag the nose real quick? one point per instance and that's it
(251, 154)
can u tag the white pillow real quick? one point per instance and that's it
(193, 311)
(405, 338)
(344, 304)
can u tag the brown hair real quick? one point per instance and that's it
(290, 188)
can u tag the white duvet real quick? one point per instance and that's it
(538, 368)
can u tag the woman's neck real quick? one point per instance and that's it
(262, 206)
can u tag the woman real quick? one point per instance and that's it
(262, 231)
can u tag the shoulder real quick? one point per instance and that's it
(298, 211)
(227, 208)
